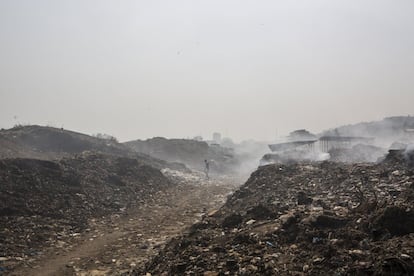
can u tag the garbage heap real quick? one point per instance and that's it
(42, 202)
(304, 219)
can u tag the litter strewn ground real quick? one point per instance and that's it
(304, 219)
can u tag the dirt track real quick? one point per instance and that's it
(116, 245)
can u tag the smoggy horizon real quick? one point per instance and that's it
(178, 69)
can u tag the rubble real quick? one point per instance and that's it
(132, 237)
(304, 219)
(43, 203)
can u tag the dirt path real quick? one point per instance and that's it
(116, 245)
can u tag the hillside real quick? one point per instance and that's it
(48, 143)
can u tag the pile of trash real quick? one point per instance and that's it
(396, 157)
(192, 153)
(43, 202)
(49, 143)
(357, 153)
(304, 219)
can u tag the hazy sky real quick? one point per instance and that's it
(138, 69)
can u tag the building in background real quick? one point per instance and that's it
(217, 138)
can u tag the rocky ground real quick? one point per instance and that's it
(304, 219)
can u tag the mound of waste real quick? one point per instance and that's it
(44, 201)
(304, 219)
(49, 143)
(357, 153)
(186, 151)
(398, 157)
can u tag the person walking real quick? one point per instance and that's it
(206, 168)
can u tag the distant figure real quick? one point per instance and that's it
(207, 168)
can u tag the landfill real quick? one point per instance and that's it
(312, 218)
(42, 203)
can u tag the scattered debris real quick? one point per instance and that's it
(315, 218)
(43, 202)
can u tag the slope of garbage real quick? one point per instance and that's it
(357, 153)
(187, 151)
(49, 143)
(43, 202)
(320, 218)
(118, 243)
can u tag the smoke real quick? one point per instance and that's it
(385, 132)
(362, 142)
(243, 158)
(389, 133)
(409, 154)
(322, 156)
(409, 149)
(248, 155)
(226, 158)
(296, 155)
